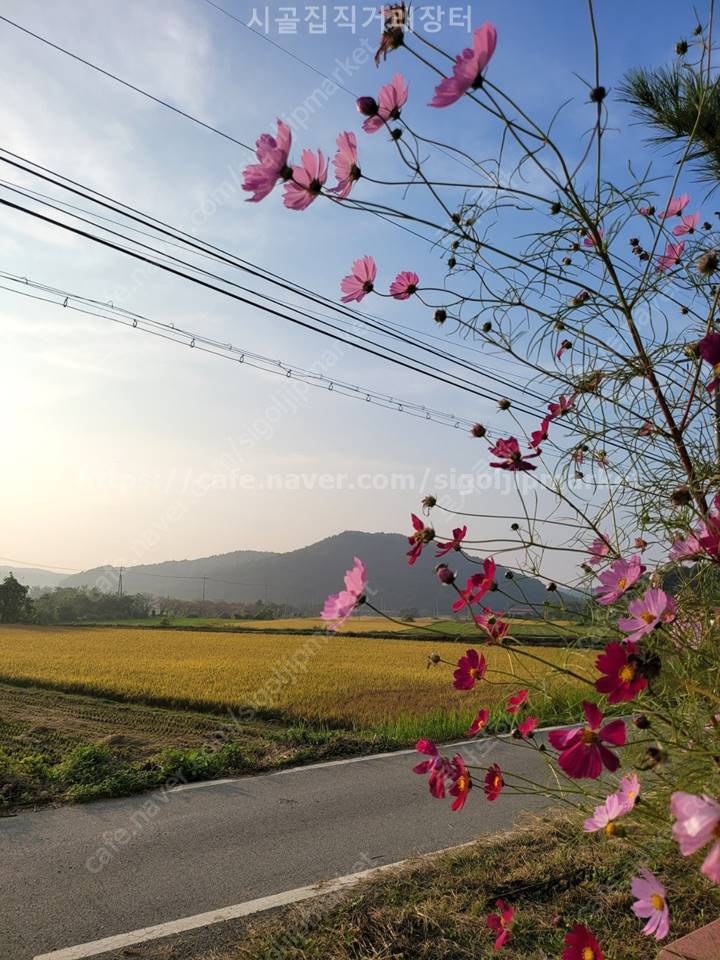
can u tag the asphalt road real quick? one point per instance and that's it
(71, 875)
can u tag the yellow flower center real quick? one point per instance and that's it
(588, 953)
(647, 616)
(610, 829)
(474, 672)
(627, 673)
(622, 583)
(461, 783)
(657, 901)
(716, 368)
(589, 736)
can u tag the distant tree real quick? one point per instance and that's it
(15, 604)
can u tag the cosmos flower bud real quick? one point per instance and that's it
(515, 526)
(555, 207)
(642, 722)
(367, 106)
(452, 262)
(680, 497)
(486, 327)
(428, 502)
(478, 430)
(445, 574)
(598, 94)
(681, 48)
(509, 575)
(440, 316)
(551, 587)
(708, 263)
(634, 242)
(504, 404)
(566, 261)
(396, 134)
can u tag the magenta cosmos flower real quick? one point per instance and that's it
(619, 577)
(492, 624)
(272, 154)
(501, 922)
(581, 945)
(494, 782)
(650, 904)
(459, 534)
(469, 65)
(583, 753)
(589, 240)
(479, 723)
(419, 539)
(512, 458)
(391, 99)
(671, 257)
(709, 351)
(404, 285)
(676, 206)
(629, 790)
(470, 669)
(541, 434)
(687, 224)
(437, 767)
(339, 606)
(622, 681)
(527, 727)
(698, 823)
(360, 281)
(308, 178)
(345, 163)
(477, 586)
(564, 405)
(462, 783)
(646, 613)
(517, 700)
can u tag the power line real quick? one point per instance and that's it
(126, 83)
(256, 361)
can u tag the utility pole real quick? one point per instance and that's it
(203, 580)
(120, 585)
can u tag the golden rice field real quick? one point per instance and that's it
(334, 678)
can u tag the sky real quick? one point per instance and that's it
(120, 448)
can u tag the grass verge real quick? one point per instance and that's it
(436, 909)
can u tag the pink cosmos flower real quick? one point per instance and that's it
(345, 163)
(494, 782)
(477, 586)
(360, 281)
(272, 154)
(541, 434)
(391, 99)
(339, 606)
(599, 549)
(461, 782)
(671, 257)
(589, 240)
(469, 65)
(404, 285)
(492, 624)
(509, 450)
(698, 823)
(650, 904)
(501, 922)
(621, 682)
(676, 206)
(619, 577)
(422, 536)
(479, 723)
(709, 351)
(437, 767)
(687, 224)
(688, 548)
(527, 727)
(517, 700)
(605, 815)
(646, 211)
(581, 945)
(307, 182)
(459, 534)
(629, 790)
(470, 669)
(646, 613)
(564, 405)
(582, 749)
(565, 345)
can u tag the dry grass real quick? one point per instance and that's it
(326, 678)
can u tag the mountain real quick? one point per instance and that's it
(305, 577)
(32, 577)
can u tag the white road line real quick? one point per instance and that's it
(173, 927)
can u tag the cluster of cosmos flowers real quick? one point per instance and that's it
(585, 751)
